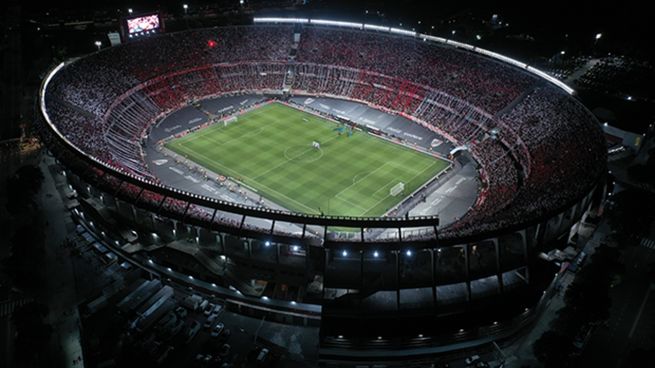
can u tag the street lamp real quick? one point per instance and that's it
(98, 44)
(185, 7)
(129, 10)
(597, 37)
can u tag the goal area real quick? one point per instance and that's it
(230, 120)
(397, 189)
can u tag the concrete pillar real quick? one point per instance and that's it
(434, 278)
(499, 273)
(467, 263)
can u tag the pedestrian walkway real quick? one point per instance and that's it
(7, 307)
(60, 291)
(648, 243)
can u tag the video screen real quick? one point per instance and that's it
(143, 24)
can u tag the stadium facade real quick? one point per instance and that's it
(539, 156)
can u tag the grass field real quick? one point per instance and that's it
(269, 149)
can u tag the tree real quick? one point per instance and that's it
(568, 321)
(21, 188)
(588, 296)
(629, 216)
(651, 272)
(637, 357)
(644, 173)
(27, 250)
(32, 334)
(554, 349)
(589, 301)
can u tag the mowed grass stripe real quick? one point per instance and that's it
(269, 149)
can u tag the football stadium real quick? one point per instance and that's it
(282, 165)
(393, 188)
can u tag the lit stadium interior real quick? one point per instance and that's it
(302, 188)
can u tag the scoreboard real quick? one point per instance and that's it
(143, 25)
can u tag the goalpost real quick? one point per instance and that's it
(397, 189)
(230, 120)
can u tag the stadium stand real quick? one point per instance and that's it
(536, 147)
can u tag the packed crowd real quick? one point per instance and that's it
(564, 151)
(105, 103)
(483, 82)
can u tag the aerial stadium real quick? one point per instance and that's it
(361, 178)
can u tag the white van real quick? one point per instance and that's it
(262, 355)
(210, 321)
(203, 305)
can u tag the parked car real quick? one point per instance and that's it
(226, 334)
(194, 327)
(262, 355)
(209, 309)
(192, 302)
(210, 321)
(578, 262)
(203, 305)
(109, 258)
(224, 350)
(472, 359)
(181, 312)
(216, 331)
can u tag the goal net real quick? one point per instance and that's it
(230, 120)
(397, 189)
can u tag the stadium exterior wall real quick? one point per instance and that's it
(480, 266)
(511, 250)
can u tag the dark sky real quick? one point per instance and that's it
(620, 22)
(625, 16)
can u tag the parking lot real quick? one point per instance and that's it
(173, 325)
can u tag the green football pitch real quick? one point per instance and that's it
(270, 149)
